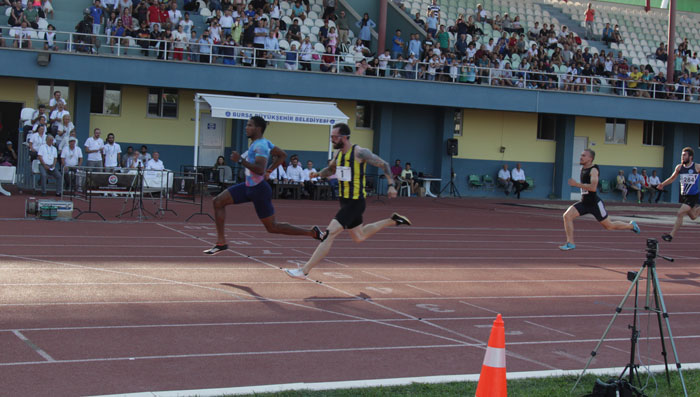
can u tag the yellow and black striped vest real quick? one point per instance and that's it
(355, 188)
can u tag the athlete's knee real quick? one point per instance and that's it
(219, 201)
(272, 227)
(358, 237)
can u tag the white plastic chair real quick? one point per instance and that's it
(318, 47)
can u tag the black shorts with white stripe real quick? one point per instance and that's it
(596, 208)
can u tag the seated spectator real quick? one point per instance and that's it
(621, 184)
(634, 181)
(144, 156)
(294, 31)
(534, 32)
(328, 61)
(298, 11)
(48, 157)
(155, 163)
(419, 21)
(71, 155)
(407, 177)
(617, 35)
(291, 58)
(37, 140)
(662, 52)
(16, 15)
(519, 182)
(608, 36)
(505, 180)
(31, 15)
(654, 182)
(125, 159)
(134, 161)
(22, 36)
(278, 175)
(64, 143)
(9, 156)
(396, 169)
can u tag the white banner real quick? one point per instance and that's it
(276, 117)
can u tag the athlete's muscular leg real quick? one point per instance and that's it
(334, 229)
(569, 216)
(220, 202)
(682, 212)
(363, 232)
(273, 226)
(616, 225)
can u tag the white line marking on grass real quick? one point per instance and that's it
(550, 329)
(354, 384)
(421, 289)
(33, 346)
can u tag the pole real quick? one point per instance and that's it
(330, 142)
(671, 42)
(196, 130)
(382, 26)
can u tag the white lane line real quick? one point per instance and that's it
(273, 243)
(557, 260)
(226, 265)
(641, 356)
(335, 263)
(356, 384)
(375, 275)
(33, 346)
(482, 308)
(550, 329)
(422, 289)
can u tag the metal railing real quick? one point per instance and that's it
(352, 63)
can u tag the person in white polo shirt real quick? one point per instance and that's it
(56, 117)
(71, 156)
(112, 154)
(36, 141)
(518, 176)
(295, 173)
(93, 149)
(155, 163)
(48, 156)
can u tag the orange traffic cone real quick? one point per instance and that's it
(492, 381)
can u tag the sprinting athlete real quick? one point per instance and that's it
(255, 188)
(590, 202)
(688, 170)
(349, 166)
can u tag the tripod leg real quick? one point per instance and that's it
(661, 335)
(618, 309)
(657, 288)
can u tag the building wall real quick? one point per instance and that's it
(18, 90)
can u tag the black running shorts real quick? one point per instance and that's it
(350, 213)
(690, 200)
(596, 208)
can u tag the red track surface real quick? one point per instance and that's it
(126, 307)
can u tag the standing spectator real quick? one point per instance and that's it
(272, 48)
(414, 46)
(519, 182)
(608, 34)
(397, 45)
(419, 21)
(589, 17)
(187, 24)
(431, 22)
(153, 15)
(97, 13)
(635, 183)
(291, 58)
(343, 29)
(328, 8)
(205, 47)
(174, 16)
(48, 157)
(366, 25)
(333, 39)
(505, 180)
(261, 33)
(384, 62)
(444, 39)
(112, 154)
(179, 42)
(306, 54)
(71, 156)
(621, 184)
(55, 100)
(93, 149)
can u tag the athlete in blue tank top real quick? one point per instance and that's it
(255, 189)
(590, 202)
(688, 171)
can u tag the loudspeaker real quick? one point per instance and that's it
(452, 147)
(43, 59)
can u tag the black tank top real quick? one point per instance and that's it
(586, 195)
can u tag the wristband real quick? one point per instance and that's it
(240, 160)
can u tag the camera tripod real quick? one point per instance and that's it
(653, 287)
(137, 198)
(451, 184)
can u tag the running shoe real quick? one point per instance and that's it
(319, 235)
(635, 227)
(400, 219)
(295, 273)
(216, 249)
(567, 247)
(667, 237)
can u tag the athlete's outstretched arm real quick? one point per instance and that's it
(670, 178)
(591, 187)
(367, 156)
(326, 172)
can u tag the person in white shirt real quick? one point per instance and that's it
(505, 180)
(112, 154)
(48, 156)
(155, 163)
(38, 113)
(174, 15)
(64, 129)
(56, 117)
(53, 102)
(64, 143)
(145, 156)
(93, 149)
(226, 23)
(295, 173)
(653, 187)
(518, 175)
(278, 175)
(71, 157)
(36, 141)
(187, 24)
(134, 162)
(310, 168)
(179, 42)
(384, 62)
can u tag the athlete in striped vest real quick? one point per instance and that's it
(590, 202)
(688, 170)
(349, 165)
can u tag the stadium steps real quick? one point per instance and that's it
(573, 26)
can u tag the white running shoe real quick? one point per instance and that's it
(295, 273)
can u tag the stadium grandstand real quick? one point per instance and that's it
(509, 81)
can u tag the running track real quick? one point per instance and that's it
(89, 308)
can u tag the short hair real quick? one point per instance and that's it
(110, 134)
(408, 163)
(144, 146)
(259, 122)
(343, 129)
(591, 152)
(294, 156)
(689, 150)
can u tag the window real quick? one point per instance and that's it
(46, 88)
(653, 133)
(363, 115)
(106, 99)
(458, 122)
(546, 127)
(162, 102)
(616, 131)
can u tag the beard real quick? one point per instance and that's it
(338, 145)
(686, 162)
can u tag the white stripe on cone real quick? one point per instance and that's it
(495, 357)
